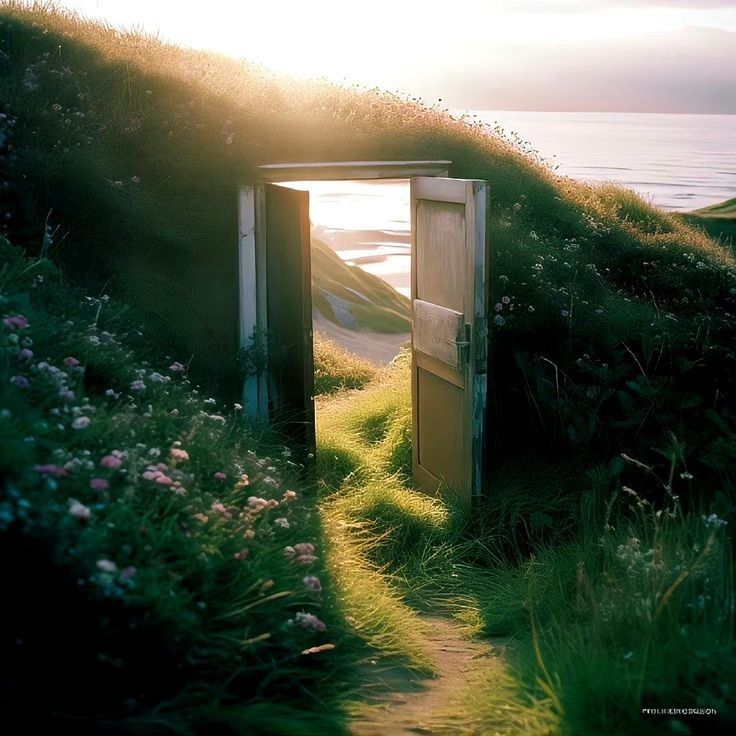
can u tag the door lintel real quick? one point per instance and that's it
(350, 170)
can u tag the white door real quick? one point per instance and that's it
(449, 294)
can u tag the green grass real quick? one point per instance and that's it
(612, 368)
(717, 220)
(149, 591)
(610, 604)
(336, 369)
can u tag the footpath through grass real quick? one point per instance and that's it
(620, 607)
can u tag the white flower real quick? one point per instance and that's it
(81, 423)
(107, 565)
(281, 522)
(79, 510)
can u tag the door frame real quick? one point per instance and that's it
(252, 265)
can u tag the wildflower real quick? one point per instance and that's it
(154, 452)
(107, 566)
(313, 583)
(243, 482)
(498, 306)
(505, 300)
(25, 354)
(220, 510)
(219, 475)
(178, 454)
(309, 621)
(281, 522)
(565, 313)
(79, 510)
(686, 476)
(16, 322)
(55, 470)
(238, 407)
(20, 382)
(128, 573)
(242, 554)
(163, 480)
(137, 386)
(111, 461)
(177, 367)
(714, 520)
(499, 320)
(81, 423)
(157, 378)
(209, 402)
(289, 495)
(304, 548)
(111, 393)
(257, 504)
(203, 518)
(306, 559)
(99, 484)
(71, 362)
(66, 394)
(135, 179)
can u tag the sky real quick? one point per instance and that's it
(582, 55)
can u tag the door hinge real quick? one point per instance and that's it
(463, 347)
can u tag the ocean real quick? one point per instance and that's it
(679, 162)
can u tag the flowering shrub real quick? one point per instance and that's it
(170, 547)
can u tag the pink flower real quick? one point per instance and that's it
(309, 621)
(163, 480)
(219, 475)
(71, 362)
(242, 554)
(257, 504)
(220, 510)
(177, 367)
(20, 382)
(111, 461)
(79, 510)
(25, 354)
(306, 559)
(151, 474)
(304, 548)
(178, 454)
(56, 470)
(313, 583)
(99, 484)
(281, 523)
(16, 322)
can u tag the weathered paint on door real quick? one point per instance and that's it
(449, 293)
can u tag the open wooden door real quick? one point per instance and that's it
(288, 297)
(449, 294)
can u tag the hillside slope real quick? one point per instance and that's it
(154, 140)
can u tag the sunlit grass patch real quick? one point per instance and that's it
(336, 369)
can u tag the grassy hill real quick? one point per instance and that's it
(600, 547)
(718, 220)
(154, 139)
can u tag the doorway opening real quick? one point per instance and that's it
(361, 264)
(446, 267)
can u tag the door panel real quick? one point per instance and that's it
(288, 297)
(449, 333)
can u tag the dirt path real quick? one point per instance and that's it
(408, 705)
